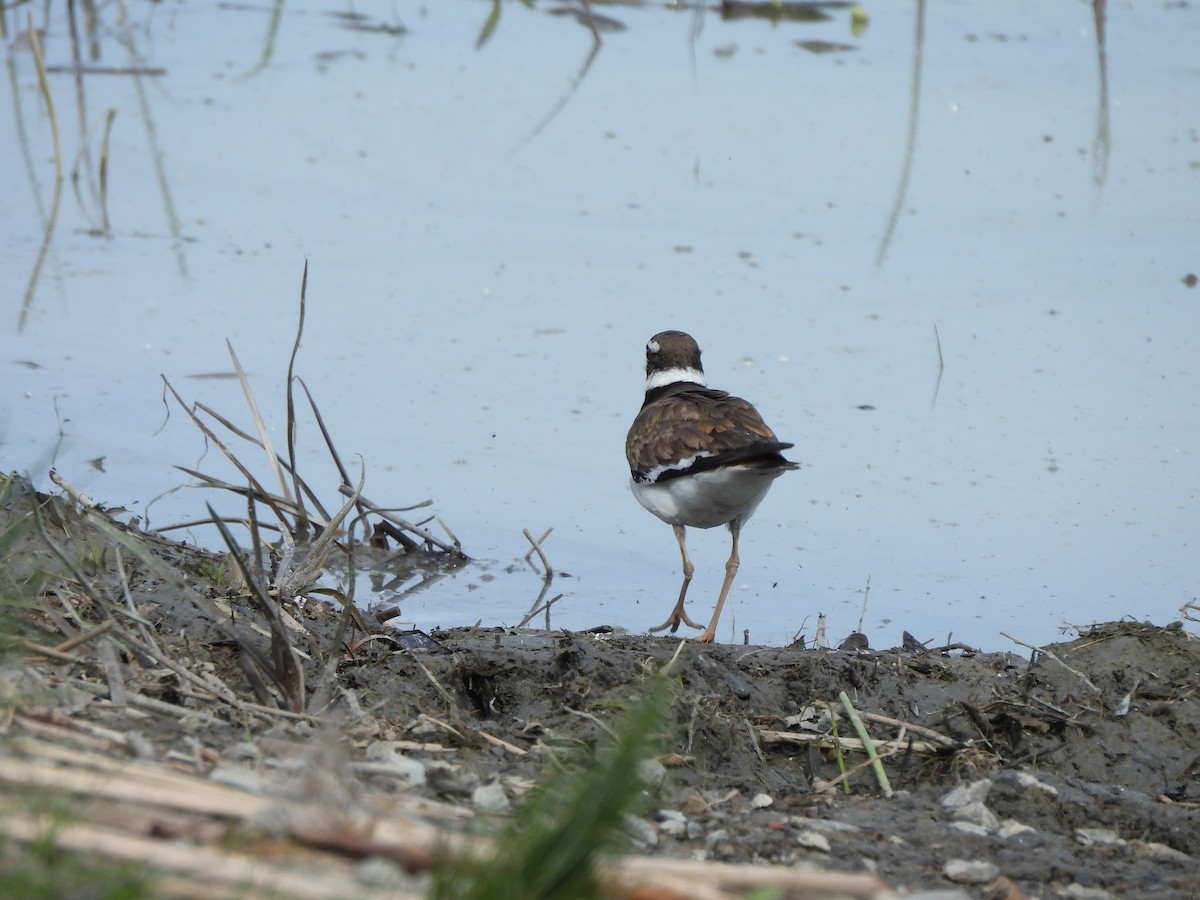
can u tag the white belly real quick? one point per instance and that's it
(707, 499)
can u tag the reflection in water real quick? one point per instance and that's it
(575, 82)
(98, 187)
(776, 11)
(1103, 142)
(269, 44)
(911, 142)
(93, 176)
(38, 61)
(156, 154)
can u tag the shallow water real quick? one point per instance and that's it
(491, 238)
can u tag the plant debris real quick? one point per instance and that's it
(129, 692)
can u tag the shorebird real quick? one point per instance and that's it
(698, 457)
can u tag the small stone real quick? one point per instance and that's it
(651, 772)
(384, 753)
(975, 792)
(821, 824)
(970, 828)
(1010, 827)
(1085, 893)
(811, 840)
(1090, 837)
(762, 801)
(1161, 852)
(1025, 780)
(640, 831)
(970, 871)
(977, 814)
(673, 823)
(490, 798)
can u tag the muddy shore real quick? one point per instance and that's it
(1070, 772)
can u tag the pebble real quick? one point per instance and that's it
(651, 772)
(397, 763)
(811, 840)
(490, 798)
(762, 801)
(1161, 852)
(640, 831)
(970, 871)
(1085, 893)
(977, 814)
(1010, 827)
(673, 823)
(975, 792)
(822, 824)
(1090, 837)
(1025, 780)
(970, 828)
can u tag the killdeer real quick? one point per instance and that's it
(698, 457)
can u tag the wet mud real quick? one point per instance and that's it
(1074, 771)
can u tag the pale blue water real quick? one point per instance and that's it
(480, 293)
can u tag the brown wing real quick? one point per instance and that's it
(697, 429)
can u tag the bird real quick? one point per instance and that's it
(698, 458)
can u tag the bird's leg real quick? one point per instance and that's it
(731, 567)
(677, 614)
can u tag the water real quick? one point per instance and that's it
(491, 239)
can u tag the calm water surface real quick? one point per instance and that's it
(948, 261)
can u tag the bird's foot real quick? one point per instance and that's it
(677, 616)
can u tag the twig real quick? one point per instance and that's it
(499, 742)
(754, 741)
(844, 743)
(916, 729)
(588, 715)
(538, 547)
(43, 650)
(453, 537)
(862, 613)
(407, 526)
(545, 535)
(148, 703)
(846, 773)
(1050, 653)
(75, 493)
(103, 628)
(446, 696)
(545, 606)
(674, 656)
